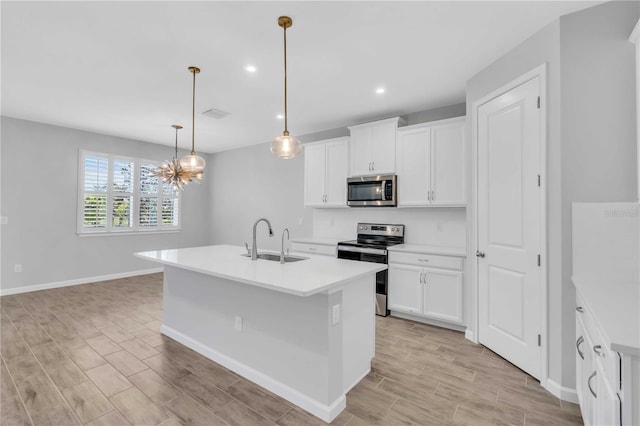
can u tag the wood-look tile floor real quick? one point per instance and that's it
(92, 354)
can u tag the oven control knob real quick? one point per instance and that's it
(393, 229)
(364, 227)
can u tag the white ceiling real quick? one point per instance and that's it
(120, 68)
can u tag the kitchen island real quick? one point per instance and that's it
(303, 330)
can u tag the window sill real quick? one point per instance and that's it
(119, 233)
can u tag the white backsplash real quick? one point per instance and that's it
(432, 226)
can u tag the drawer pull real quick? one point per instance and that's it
(579, 309)
(313, 249)
(598, 350)
(589, 384)
(423, 260)
(578, 343)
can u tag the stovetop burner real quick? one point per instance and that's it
(375, 235)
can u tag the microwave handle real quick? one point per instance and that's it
(384, 191)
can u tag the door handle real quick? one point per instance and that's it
(579, 309)
(479, 253)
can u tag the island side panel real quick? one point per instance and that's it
(286, 338)
(358, 333)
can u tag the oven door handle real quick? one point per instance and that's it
(362, 250)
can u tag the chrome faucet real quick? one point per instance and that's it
(254, 247)
(282, 246)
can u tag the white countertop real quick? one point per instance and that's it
(427, 249)
(304, 278)
(320, 241)
(616, 308)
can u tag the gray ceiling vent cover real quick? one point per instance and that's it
(215, 113)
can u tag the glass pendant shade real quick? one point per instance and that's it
(192, 163)
(286, 146)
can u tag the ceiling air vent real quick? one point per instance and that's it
(215, 113)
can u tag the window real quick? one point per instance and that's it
(120, 195)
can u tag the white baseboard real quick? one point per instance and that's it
(323, 411)
(430, 321)
(470, 335)
(86, 280)
(565, 394)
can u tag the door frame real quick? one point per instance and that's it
(541, 73)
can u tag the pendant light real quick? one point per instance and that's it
(285, 146)
(172, 172)
(193, 163)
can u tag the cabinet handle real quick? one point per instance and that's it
(423, 260)
(369, 166)
(373, 165)
(421, 277)
(313, 249)
(578, 343)
(428, 195)
(598, 350)
(433, 195)
(589, 384)
(579, 309)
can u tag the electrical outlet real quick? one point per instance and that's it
(238, 323)
(335, 314)
(17, 267)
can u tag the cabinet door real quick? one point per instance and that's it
(383, 148)
(405, 289)
(443, 295)
(607, 402)
(447, 164)
(336, 173)
(360, 151)
(314, 175)
(413, 158)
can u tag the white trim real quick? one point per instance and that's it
(634, 37)
(318, 409)
(470, 335)
(78, 281)
(540, 72)
(565, 394)
(430, 321)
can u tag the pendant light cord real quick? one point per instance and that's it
(193, 116)
(176, 157)
(286, 129)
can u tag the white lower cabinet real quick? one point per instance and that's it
(429, 291)
(599, 374)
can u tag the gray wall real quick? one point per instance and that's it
(39, 197)
(590, 139)
(250, 183)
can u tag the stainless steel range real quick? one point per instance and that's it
(371, 246)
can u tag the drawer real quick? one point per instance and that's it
(426, 260)
(314, 249)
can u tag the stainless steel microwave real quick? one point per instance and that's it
(372, 191)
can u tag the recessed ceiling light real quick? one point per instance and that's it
(279, 116)
(250, 68)
(380, 90)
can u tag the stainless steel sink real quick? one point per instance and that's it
(276, 257)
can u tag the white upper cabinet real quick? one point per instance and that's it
(325, 173)
(373, 147)
(431, 164)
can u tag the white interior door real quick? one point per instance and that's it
(509, 225)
